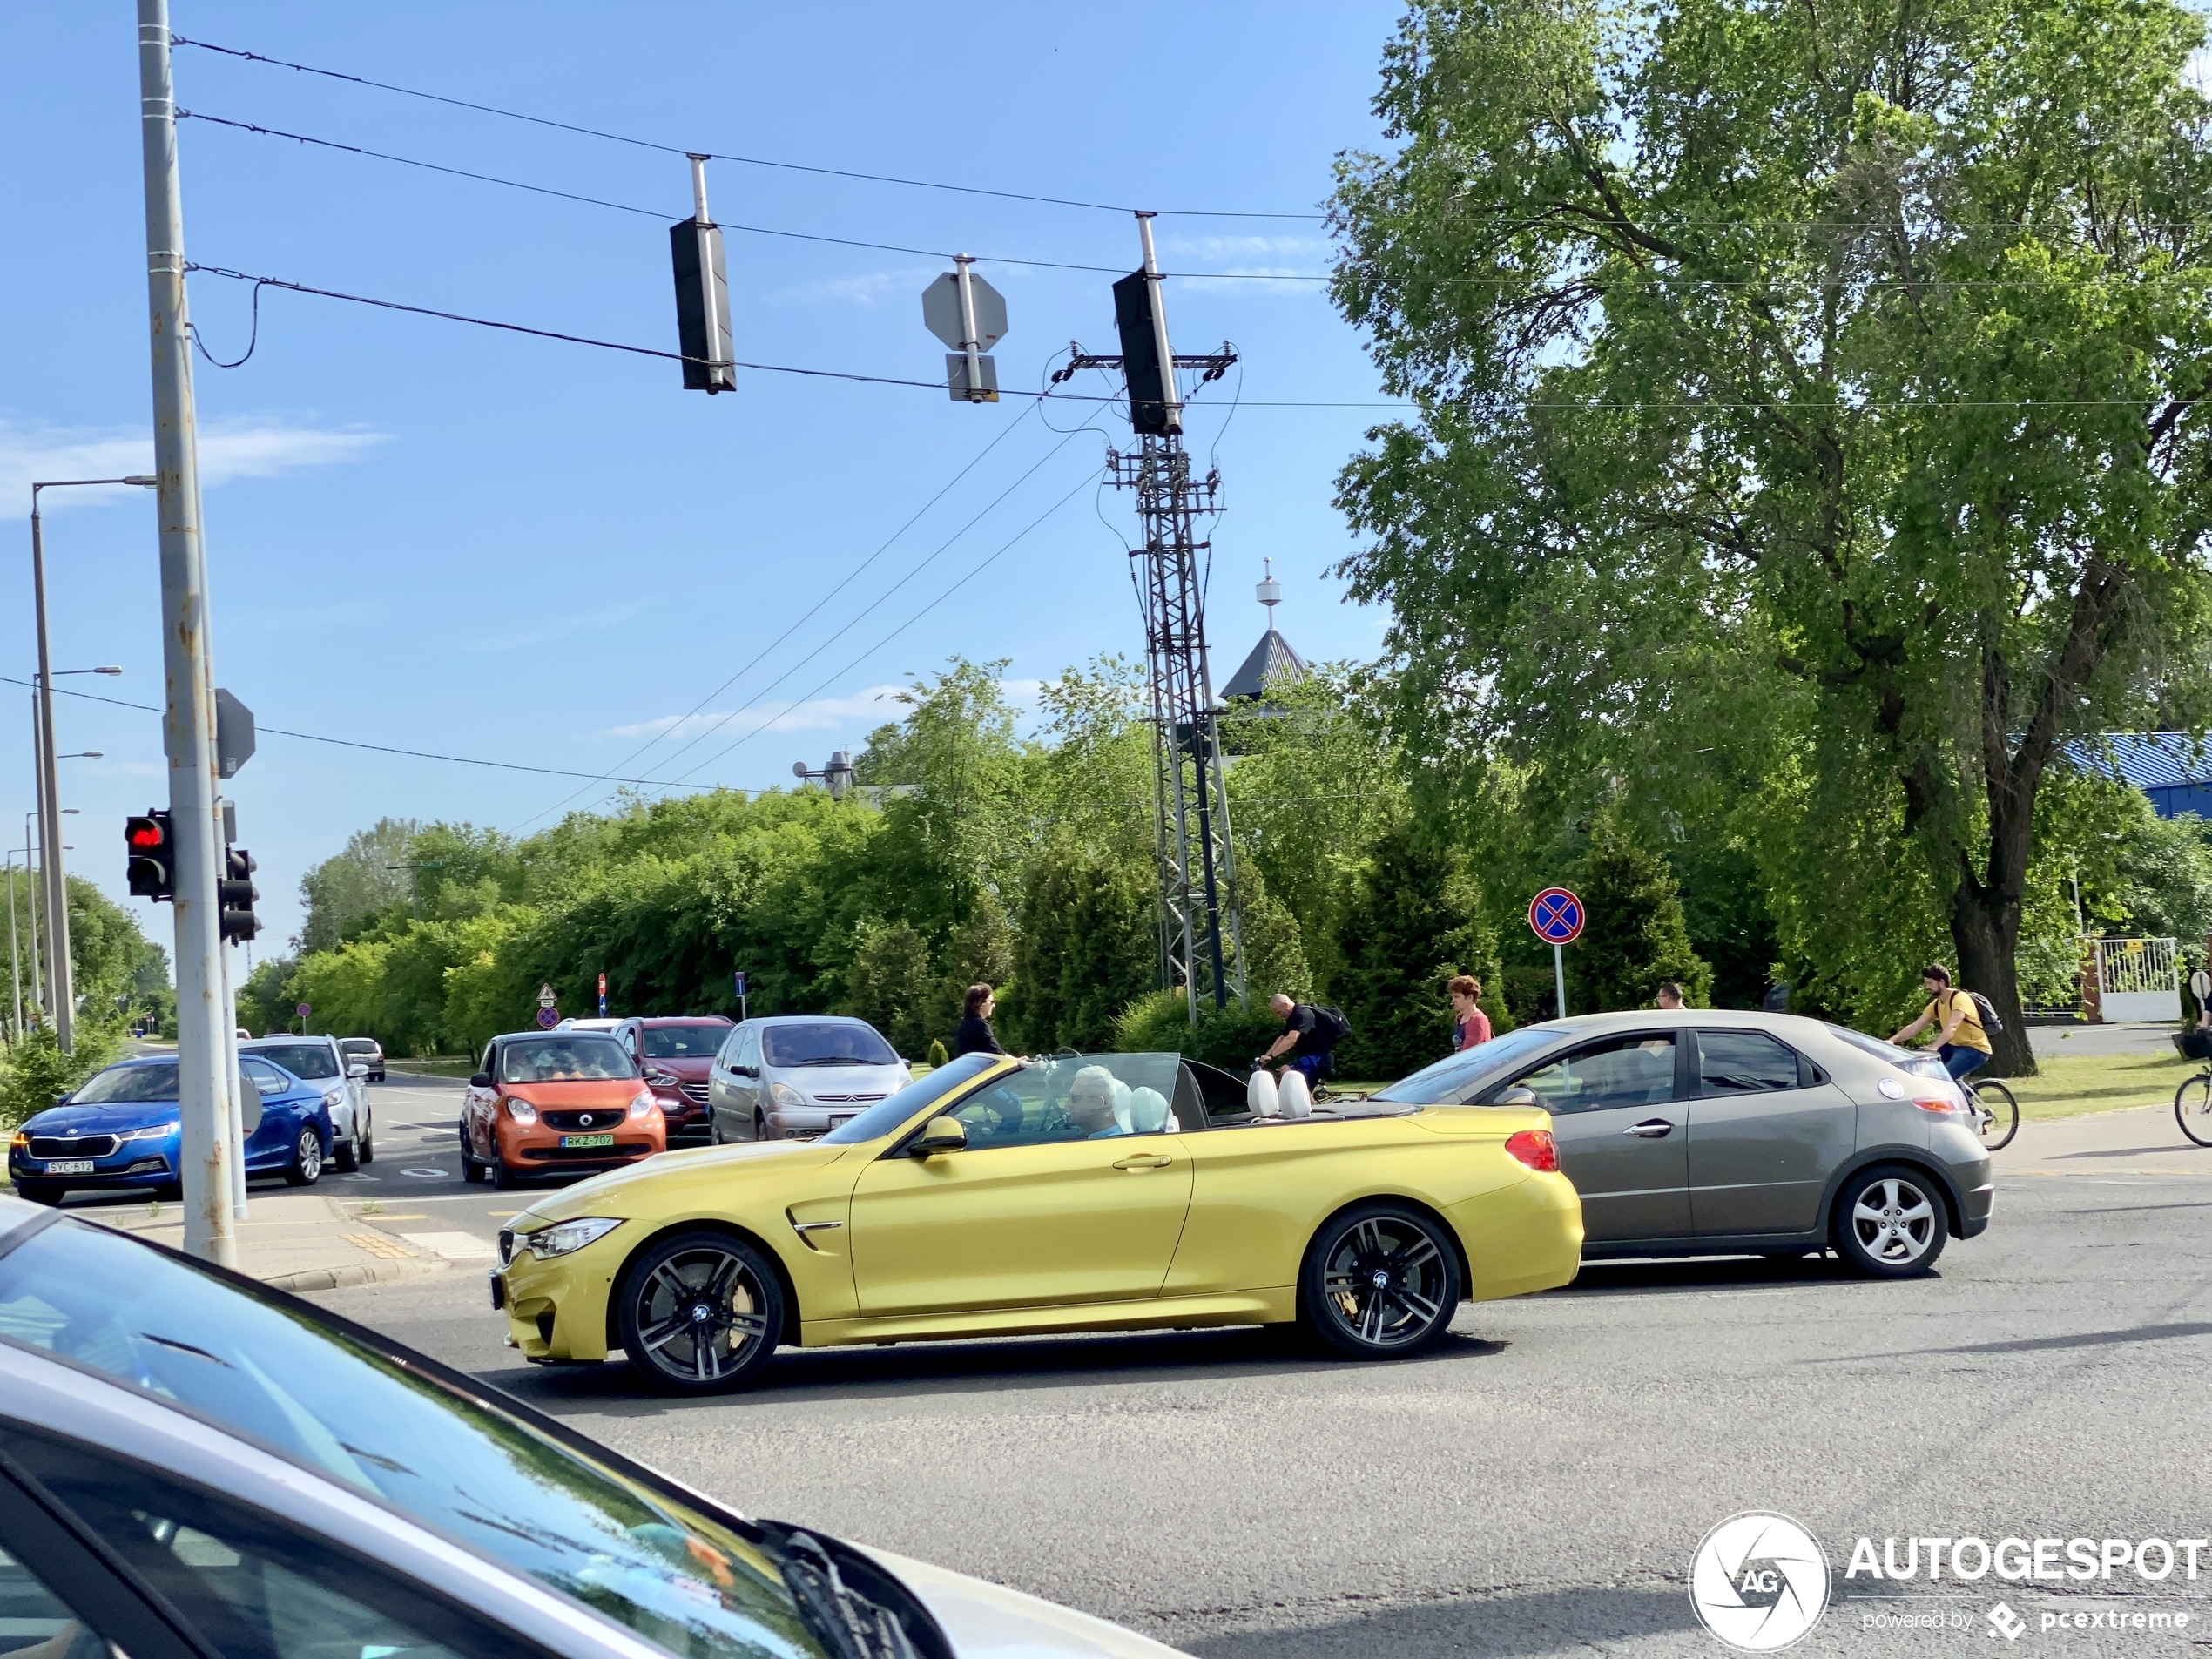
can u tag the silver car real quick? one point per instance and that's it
(792, 1076)
(1702, 1132)
(192, 1464)
(321, 1059)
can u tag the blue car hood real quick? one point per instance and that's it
(100, 1120)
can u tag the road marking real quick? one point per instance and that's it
(427, 1174)
(454, 1246)
(380, 1244)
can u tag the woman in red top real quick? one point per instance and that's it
(1471, 1025)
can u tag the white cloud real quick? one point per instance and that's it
(251, 447)
(852, 716)
(870, 290)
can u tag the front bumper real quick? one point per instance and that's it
(557, 1311)
(140, 1163)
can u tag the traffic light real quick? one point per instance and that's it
(153, 856)
(235, 894)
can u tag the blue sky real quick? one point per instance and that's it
(438, 537)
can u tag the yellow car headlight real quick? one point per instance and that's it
(563, 1237)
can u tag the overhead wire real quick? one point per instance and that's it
(813, 611)
(875, 604)
(353, 742)
(748, 161)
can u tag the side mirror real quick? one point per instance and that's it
(357, 1070)
(748, 1071)
(480, 1080)
(1520, 1095)
(943, 1134)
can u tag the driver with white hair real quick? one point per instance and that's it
(1090, 1104)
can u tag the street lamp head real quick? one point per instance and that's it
(145, 480)
(81, 754)
(111, 671)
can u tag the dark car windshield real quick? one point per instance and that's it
(359, 1045)
(313, 1061)
(586, 1057)
(122, 1084)
(826, 1044)
(896, 1109)
(683, 1042)
(631, 1552)
(1451, 1080)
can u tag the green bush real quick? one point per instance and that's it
(1414, 921)
(37, 1072)
(1635, 936)
(937, 1055)
(1160, 1024)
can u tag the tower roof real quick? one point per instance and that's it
(1272, 659)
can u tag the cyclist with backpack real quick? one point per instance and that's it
(1311, 1033)
(1962, 1035)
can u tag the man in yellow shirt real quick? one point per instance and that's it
(1960, 1040)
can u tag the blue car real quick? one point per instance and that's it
(120, 1132)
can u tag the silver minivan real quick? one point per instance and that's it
(792, 1076)
(1700, 1131)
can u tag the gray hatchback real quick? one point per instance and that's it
(1703, 1132)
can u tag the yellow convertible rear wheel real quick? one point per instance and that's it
(1380, 1280)
(701, 1312)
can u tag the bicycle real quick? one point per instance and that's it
(2193, 1107)
(1996, 1114)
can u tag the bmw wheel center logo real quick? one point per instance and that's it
(1758, 1582)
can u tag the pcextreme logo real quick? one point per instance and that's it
(1758, 1582)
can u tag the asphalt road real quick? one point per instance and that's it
(1539, 1483)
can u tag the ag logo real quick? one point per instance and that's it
(1758, 1582)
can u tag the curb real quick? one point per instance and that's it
(342, 1278)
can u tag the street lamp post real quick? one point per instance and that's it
(15, 963)
(38, 972)
(57, 965)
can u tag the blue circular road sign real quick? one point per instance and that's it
(548, 1018)
(1556, 915)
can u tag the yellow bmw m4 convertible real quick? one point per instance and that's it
(992, 1195)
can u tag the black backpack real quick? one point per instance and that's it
(1990, 1022)
(1330, 1026)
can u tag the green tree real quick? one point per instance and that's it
(1414, 919)
(891, 985)
(265, 1000)
(1633, 933)
(1089, 945)
(1850, 360)
(357, 882)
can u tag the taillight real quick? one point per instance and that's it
(1535, 1148)
(1932, 1104)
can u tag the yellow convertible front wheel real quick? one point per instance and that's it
(701, 1312)
(1381, 1280)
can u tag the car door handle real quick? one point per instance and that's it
(1145, 1161)
(1650, 1130)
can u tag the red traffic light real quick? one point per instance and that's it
(148, 837)
(145, 833)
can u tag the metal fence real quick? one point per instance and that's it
(2138, 979)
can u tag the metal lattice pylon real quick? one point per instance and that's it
(1201, 937)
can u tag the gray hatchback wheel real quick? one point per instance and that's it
(1890, 1223)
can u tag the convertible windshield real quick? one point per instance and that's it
(122, 1084)
(825, 1044)
(896, 1109)
(685, 1041)
(312, 1060)
(636, 1555)
(590, 1058)
(1450, 1081)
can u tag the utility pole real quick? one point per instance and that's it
(14, 966)
(1196, 858)
(37, 984)
(205, 1016)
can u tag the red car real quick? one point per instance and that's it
(547, 1101)
(675, 1052)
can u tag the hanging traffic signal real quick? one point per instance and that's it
(153, 856)
(235, 894)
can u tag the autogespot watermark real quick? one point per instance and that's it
(1760, 1582)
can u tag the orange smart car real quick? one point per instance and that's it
(545, 1102)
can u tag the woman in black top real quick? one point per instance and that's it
(974, 1035)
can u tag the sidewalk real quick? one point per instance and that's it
(2131, 1140)
(303, 1241)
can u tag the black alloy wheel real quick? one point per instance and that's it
(503, 1175)
(700, 1313)
(470, 1170)
(305, 1168)
(1380, 1281)
(1889, 1223)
